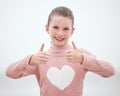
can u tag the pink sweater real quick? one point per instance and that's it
(59, 77)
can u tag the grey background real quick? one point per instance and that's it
(22, 30)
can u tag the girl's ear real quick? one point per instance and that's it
(47, 29)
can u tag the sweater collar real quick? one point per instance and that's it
(58, 53)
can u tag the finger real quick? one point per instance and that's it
(68, 55)
(74, 46)
(68, 52)
(45, 57)
(44, 60)
(42, 46)
(68, 58)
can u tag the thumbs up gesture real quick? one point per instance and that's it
(39, 58)
(74, 55)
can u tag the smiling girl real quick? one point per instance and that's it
(60, 70)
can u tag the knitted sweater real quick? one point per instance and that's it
(59, 77)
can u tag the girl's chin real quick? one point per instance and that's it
(60, 45)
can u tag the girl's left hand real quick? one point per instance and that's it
(74, 55)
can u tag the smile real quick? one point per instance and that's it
(59, 39)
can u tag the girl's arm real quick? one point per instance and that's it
(101, 67)
(89, 61)
(27, 65)
(20, 68)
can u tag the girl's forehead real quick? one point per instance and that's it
(60, 16)
(60, 19)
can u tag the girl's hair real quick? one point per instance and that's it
(61, 11)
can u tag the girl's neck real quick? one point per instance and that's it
(59, 47)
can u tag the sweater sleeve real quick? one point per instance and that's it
(93, 64)
(20, 68)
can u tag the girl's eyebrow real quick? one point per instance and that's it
(56, 26)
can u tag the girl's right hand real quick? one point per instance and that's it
(39, 58)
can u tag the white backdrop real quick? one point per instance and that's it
(22, 30)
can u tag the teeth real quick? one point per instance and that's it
(59, 38)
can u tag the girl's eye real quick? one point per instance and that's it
(66, 28)
(55, 27)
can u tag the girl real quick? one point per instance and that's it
(60, 71)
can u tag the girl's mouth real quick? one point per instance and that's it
(59, 39)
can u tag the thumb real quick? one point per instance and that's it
(74, 46)
(42, 46)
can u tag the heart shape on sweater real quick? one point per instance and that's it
(61, 78)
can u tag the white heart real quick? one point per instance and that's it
(61, 78)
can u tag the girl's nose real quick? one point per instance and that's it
(60, 32)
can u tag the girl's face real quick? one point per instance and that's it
(60, 29)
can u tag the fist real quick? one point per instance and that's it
(39, 58)
(74, 55)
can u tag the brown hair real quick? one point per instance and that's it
(61, 11)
